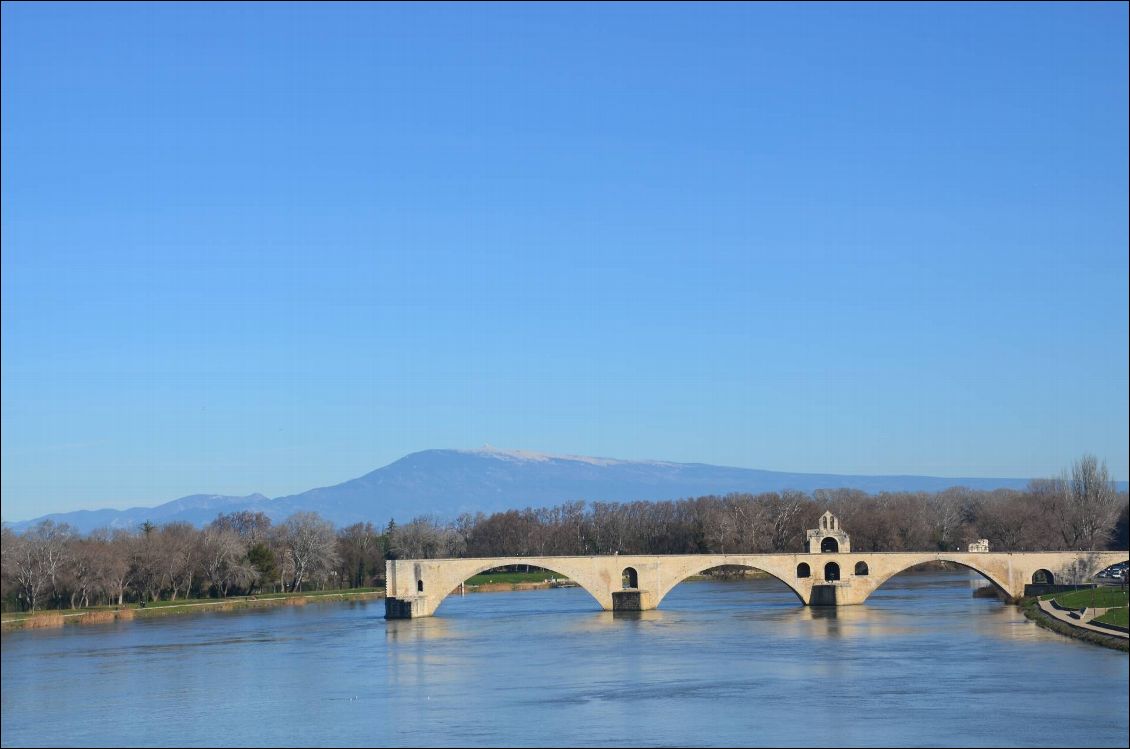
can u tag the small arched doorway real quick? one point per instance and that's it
(630, 579)
(831, 572)
(803, 570)
(829, 546)
(1043, 577)
(861, 569)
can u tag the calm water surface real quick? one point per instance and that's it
(738, 663)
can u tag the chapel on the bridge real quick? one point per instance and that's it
(829, 538)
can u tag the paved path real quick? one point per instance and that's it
(1047, 608)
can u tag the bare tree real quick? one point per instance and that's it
(180, 546)
(944, 516)
(1094, 503)
(222, 552)
(252, 527)
(1083, 506)
(81, 571)
(1011, 522)
(311, 546)
(146, 562)
(786, 512)
(25, 567)
(38, 559)
(426, 537)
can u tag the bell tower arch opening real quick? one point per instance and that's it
(828, 537)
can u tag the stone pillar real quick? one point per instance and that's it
(823, 595)
(406, 608)
(632, 599)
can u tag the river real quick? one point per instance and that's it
(922, 663)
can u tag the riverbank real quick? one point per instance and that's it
(1032, 610)
(107, 614)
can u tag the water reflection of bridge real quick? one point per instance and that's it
(416, 587)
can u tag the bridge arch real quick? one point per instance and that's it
(443, 586)
(877, 581)
(711, 564)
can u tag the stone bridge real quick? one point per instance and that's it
(416, 587)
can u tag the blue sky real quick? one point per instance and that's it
(265, 248)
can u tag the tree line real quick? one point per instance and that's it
(52, 566)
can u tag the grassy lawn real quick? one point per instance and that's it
(1115, 616)
(1079, 599)
(536, 576)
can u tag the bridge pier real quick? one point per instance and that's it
(823, 595)
(406, 608)
(633, 599)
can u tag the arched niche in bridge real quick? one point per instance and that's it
(831, 572)
(630, 578)
(829, 546)
(1043, 577)
(861, 569)
(803, 570)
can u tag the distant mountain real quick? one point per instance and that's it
(449, 482)
(197, 509)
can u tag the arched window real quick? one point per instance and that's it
(832, 523)
(419, 586)
(829, 546)
(824, 523)
(630, 578)
(802, 570)
(831, 572)
(860, 569)
(1043, 577)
